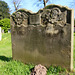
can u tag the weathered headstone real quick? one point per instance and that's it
(0, 34)
(2, 31)
(45, 37)
(9, 30)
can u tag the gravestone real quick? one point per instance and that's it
(2, 31)
(0, 34)
(9, 30)
(45, 37)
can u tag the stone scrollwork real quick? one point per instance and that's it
(51, 18)
(45, 16)
(55, 12)
(20, 20)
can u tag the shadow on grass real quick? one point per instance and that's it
(4, 58)
(74, 33)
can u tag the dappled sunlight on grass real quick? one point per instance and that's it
(5, 45)
(74, 52)
(16, 68)
(5, 49)
(6, 62)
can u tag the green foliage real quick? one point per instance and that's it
(55, 70)
(74, 34)
(5, 23)
(74, 53)
(4, 10)
(16, 68)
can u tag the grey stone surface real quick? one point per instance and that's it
(2, 31)
(45, 37)
(39, 70)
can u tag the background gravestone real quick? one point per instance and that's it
(45, 37)
(0, 34)
(9, 30)
(2, 31)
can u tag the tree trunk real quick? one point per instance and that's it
(44, 2)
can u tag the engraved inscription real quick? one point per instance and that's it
(35, 19)
(20, 21)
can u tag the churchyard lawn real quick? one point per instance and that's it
(6, 55)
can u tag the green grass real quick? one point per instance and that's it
(16, 68)
(55, 70)
(10, 67)
(5, 45)
(7, 65)
(74, 52)
(5, 49)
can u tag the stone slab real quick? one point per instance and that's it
(46, 40)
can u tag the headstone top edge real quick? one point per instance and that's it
(25, 10)
(61, 6)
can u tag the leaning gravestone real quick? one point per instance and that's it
(0, 34)
(45, 37)
(2, 31)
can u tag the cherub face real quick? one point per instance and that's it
(54, 14)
